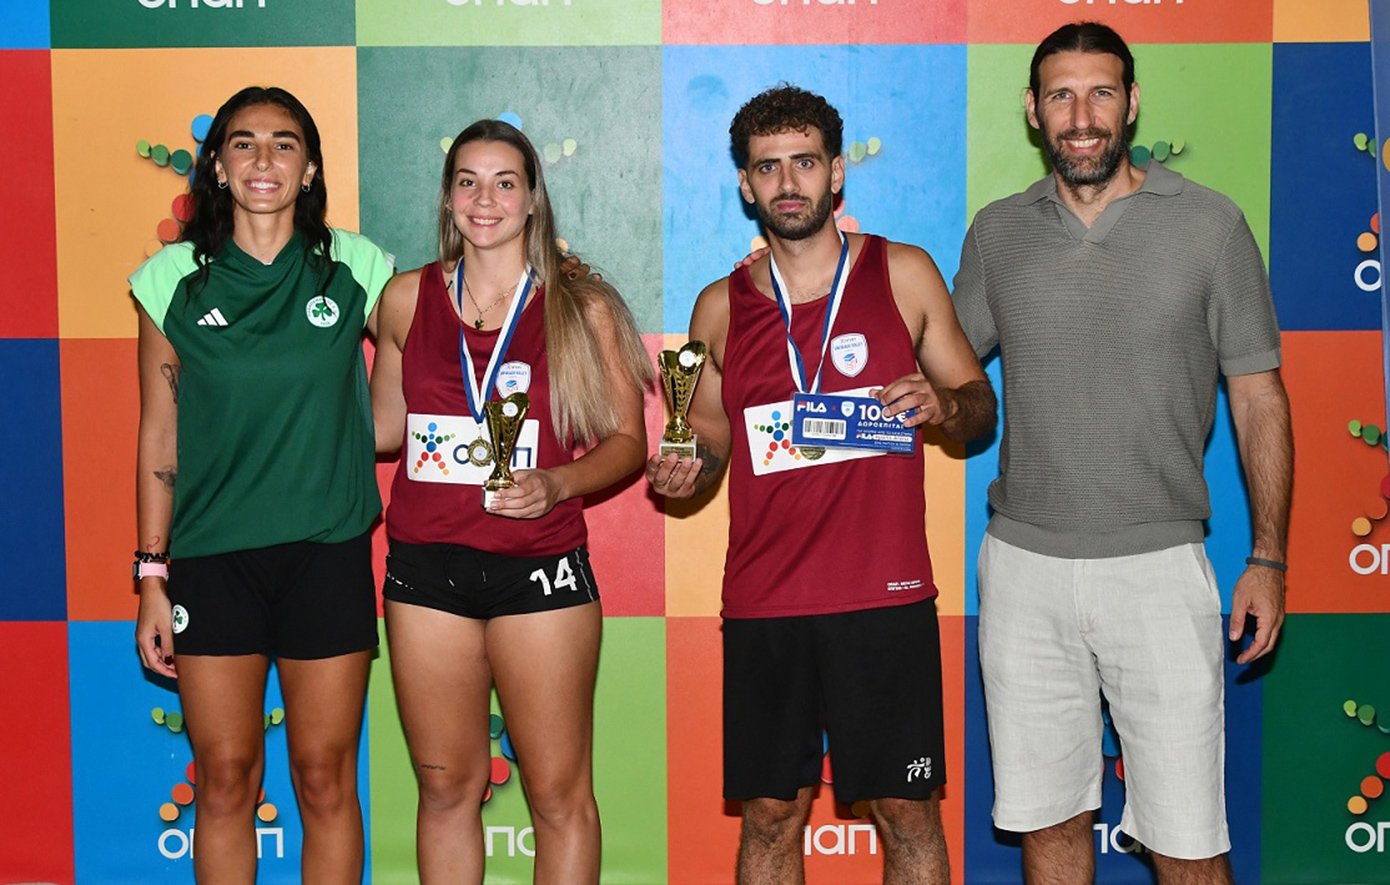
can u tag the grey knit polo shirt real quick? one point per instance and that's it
(1110, 342)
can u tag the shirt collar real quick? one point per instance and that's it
(1159, 179)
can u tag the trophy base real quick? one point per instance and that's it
(683, 451)
(489, 495)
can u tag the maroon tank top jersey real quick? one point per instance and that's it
(813, 533)
(436, 496)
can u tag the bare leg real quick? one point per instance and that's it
(323, 722)
(769, 847)
(1208, 871)
(544, 665)
(224, 705)
(443, 681)
(914, 846)
(1062, 854)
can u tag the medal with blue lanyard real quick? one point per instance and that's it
(480, 450)
(837, 294)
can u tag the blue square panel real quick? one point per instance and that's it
(1228, 530)
(31, 482)
(1323, 256)
(904, 145)
(135, 803)
(993, 855)
(24, 24)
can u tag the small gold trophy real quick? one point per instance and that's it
(680, 369)
(503, 421)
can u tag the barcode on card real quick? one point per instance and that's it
(823, 428)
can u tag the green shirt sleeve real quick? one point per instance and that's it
(153, 284)
(371, 266)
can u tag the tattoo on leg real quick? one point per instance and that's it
(171, 374)
(167, 476)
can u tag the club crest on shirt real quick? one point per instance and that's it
(849, 354)
(322, 311)
(513, 377)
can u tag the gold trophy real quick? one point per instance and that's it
(503, 421)
(680, 369)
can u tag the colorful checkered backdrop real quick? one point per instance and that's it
(1266, 100)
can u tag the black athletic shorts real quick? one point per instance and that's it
(477, 584)
(871, 679)
(301, 601)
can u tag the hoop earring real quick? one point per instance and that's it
(306, 187)
(221, 185)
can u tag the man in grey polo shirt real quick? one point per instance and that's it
(1116, 295)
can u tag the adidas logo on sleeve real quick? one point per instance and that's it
(213, 317)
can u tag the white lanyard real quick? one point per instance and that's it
(477, 397)
(837, 293)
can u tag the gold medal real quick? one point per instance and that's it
(480, 452)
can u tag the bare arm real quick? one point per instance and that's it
(671, 476)
(156, 465)
(394, 311)
(951, 391)
(1260, 408)
(612, 458)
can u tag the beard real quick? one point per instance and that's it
(801, 225)
(1086, 171)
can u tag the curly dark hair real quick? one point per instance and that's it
(211, 225)
(781, 108)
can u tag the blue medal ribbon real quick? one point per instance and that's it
(837, 293)
(476, 396)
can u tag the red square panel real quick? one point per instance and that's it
(36, 753)
(101, 415)
(1138, 21)
(627, 534)
(28, 237)
(812, 22)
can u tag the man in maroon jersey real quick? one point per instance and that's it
(829, 605)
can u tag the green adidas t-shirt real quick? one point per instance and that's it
(275, 440)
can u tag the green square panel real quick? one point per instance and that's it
(629, 770)
(145, 23)
(509, 23)
(1327, 743)
(593, 114)
(1223, 131)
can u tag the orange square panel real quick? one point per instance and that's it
(839, 849)
(114, 205)
(101, 414)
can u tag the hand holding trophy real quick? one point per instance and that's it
(503, 420)
(680, 370)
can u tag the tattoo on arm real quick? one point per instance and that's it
(432, 767)
(167, 476)
(171, 374)
(975, 412)
(710, 468)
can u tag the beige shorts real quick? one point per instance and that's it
(1144, 630)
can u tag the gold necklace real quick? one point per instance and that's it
(478, 323)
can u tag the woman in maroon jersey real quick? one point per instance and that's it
(504, 594)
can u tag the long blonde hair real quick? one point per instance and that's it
(581, 404)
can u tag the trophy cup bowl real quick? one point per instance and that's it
(503, 419)
(680, 370)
